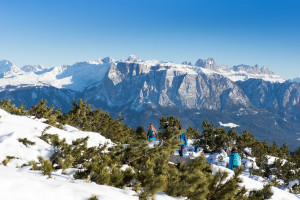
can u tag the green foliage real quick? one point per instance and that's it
(54, 118)
(264, 193)
(259, 151)
(26, 142)
(84, 118)
(273, 150)
(7, 160)
(41, 110)
(285, 171)
(245, 140)
(46, 166)
(93, 197)
(284, 150)
(34, 165)
(219, 188)
(192, 133)
(149, 170)
(296, 189)
(66, 163)
(214, 139)
(140, 133)
(295, 157)
(190, 180)
(173, 122)
(11, 108)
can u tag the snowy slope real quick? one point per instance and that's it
(14, 127)
(219, 161)
(75, 77)
(22, 183)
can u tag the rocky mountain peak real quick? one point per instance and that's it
(32, 68)
(210, 63)
(7, 66)
(107, 60)
(186, 63)
(252, 69)
(133, 58)
(5, 63)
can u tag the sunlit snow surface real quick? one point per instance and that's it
(26, 184)
(22, 183)
(220, 161)
(230, 125)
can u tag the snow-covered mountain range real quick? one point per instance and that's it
(252, 97)
(82, 75)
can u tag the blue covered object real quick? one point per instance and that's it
(234, 161)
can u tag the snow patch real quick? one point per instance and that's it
(230, 125)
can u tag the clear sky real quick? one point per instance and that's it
(57, 32)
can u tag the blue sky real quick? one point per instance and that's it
(57, 32)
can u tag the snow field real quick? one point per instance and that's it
(22, 183)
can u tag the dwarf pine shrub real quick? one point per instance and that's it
(46, 166)
(26, 142)
(7, 159)
(94, 197)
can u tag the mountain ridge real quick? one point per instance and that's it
(90, 71)
(143, 91)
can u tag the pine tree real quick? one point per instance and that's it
(222, 140)
(66, 163)
(259, 151)
(26, 142)
(173, 122)
(46, 166)
(192, 133)
(219, 188)
(245, 140)
(264, 193)
(273, 150)
(41, 110)
(285, 150)
(140, 132)
(53, 118)
(207, 138)
(94, 197)
(11, 108)
(191, 180)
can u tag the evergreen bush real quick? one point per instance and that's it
(26, 142)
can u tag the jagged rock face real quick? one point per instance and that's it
(281, 99)
(134, 85)
(253, 69)
(210, 63)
